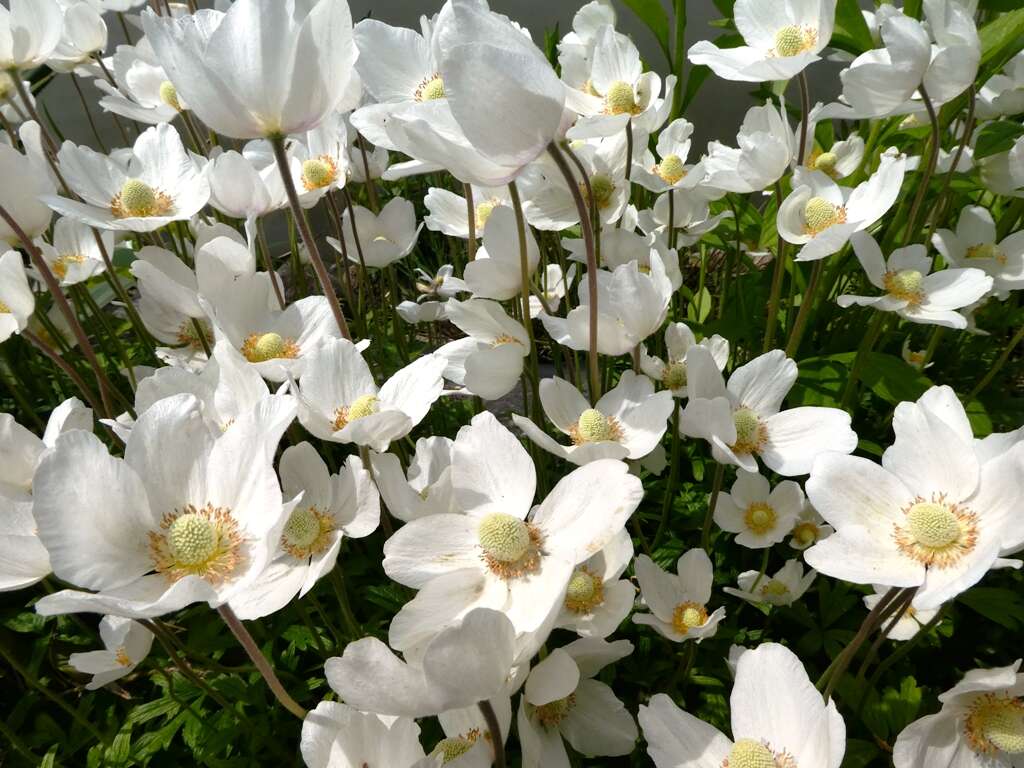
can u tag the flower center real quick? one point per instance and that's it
(511, 547)
(774, 588)
(307, 532)
(805, 534)
(585, 591)
(551, 714)
(4, 309)
(121, 657)
(169, 95)
(936, 533)
(671, 169)
(996, 724)
(820, 214)
(986, 251)
(687, 616)
(905, 285)
(826, 163)
(318, 172)
(139, 200)
(362, 406)
(602, 189)
(619, 99)
(188, 336)
(260, 347)
(792, 40)
(431, 89)
(484, 211)
(595, 427)
(455, 746)
(202, 542)
(747, 753)
(751, 433)
(760, 518)
(674, 375)
(60, 265)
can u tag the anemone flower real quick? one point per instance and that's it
(678, 603)
(126, 644)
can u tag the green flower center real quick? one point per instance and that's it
(551, 714)
(905, 284)
(619, 99)
(303, 528)
(585, 591)
(602, 189)
(687, 616)
(760, 518)
(747, 753)
(483, 213)
(169, 95)
(192, 539)
(318, 172)
(503, 537)
(138, 198)
(995, 724)
(826, 162)
(451, 748)
(986, 251)
(671, 169)
(363, 406)
(750, 432)
(774, 588)
(431, 90)
(933, 525)
(269, 346)
(674, 375)
(820, 214)
(595, 427)
(791, 40)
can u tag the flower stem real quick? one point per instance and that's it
(939, 208)
(524, 275)
(262, 665)
(673, 477)
(776, 291)
(467, 190)
(870, 339)
(495, 728)
(933, 159)
(716, 488)
(277, 142)
(805, 104)
(806, 305)
(998, 365)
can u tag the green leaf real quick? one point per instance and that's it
(892, 379)
(997, 137)
(1000, 40)
(851, 31)
(700, 306)
(653, 14)
(1003, 606)
(120, 748)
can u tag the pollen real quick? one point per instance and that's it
(4, 309)
(674, 375)
(585, 591)
(794, 40)
(774, 588)
(202, 542)
(362, 406)
(483, 212)
(805, 534)
(987, 251)
(307, 532)
(169, 95)
(602, 190)
(619, 99)
(670, 169)
(687, 616)
(551, 714)
(747, 753)
(139, 200)
(319, 172)
(594, 427)
(260, 347)
(760, 518)
(820, 214)
(510, 547)
(826, 163)
(60, 265)
(751, 433)
(451, 748)
(936, 533)
(121, 657)
(995, 724)
(904, 284)
(431, 89)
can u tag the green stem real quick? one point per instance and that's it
(716, 488)
(933, 159)
(673, 477)
(806, 304)
(467, 190)
(494, 727)
(776, 291)
(868, 343)
(998, 365)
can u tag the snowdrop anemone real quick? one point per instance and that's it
(687, 213)
(743, 420)
(127, 644)
(383, 238)
(671, 371)
(241, 189)
(785, 587)
(75, 255)
(759, 514)
(26, 183)
(496, 272)
(598, 599)
(841, 159)
(670, 171)
(782, 39)
(83, 36)
(434, 291)
(153, 185)
(631, 305)
(247, 84)
(488, 362)
(576, 48)
(909, 622)
(931, 516)
(627, 422)
(808, 529)
(763, 153)
(553, 287)
(975, 243)
(621, 245)
(426, 489)
(448, 212)
(335, 735)
(1003, 94)
(467, 741)
(331, 507)
(17, 302)
(562, 700)
(323, 156)
(505, 553)
(462, 665)
(24, 560)
(678, 603)
(340, 401)
(910, 291)
(778, 721)
(821, 216)
(29, 33)
(141, 90)
(185, 517)
(981, 724)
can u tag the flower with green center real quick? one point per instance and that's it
(619, 100)
(792, 40)
(431, 89)
(307, 532)
(260, 347)
(995, 724)
(936, 533)
(503, 537)
(361, 407)
(751, 432)
(200, 542)
(318, 172)
(904, 284)
(805, 534)
(933, 525)
(594, 427)
(820, 214)
(169, 95)
(747, 753)
(585, 591)
(671, 169)
(774, 588)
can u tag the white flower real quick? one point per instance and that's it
(462, 665)
(576, 49)
(323, 156)
(553, 288)
(185, 517)
(597, 599)
(506, 556)
(467, 742)
(931, 516)
(83, 36)
(782, 39)
(489, 361)
(809, 528)
(622, 245)
(1003, 94)
(496, 272)
(671, 171)
(143, 92)
(24, 560)
(334, 735)
(764, 153)
(75, 254)
(265, 68)
(29, 32)
(678, 603)
(910, 621)
(980, 725)
(339, 400)
(778, 719)
(332, 506)
(241, 189)
(910, 291)
(153, 185)
(760, 514)
(743, 420)
(384, 238)
(1003, 172)
(127, 643)
(427, 487)
(821, 216)
(784, 588)
(562, 700)
(841, 159)
(25, 182)
(448, 211)
(433, 292)
(627, 422)
(672, 371)
(17, 302)
(976, 244)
